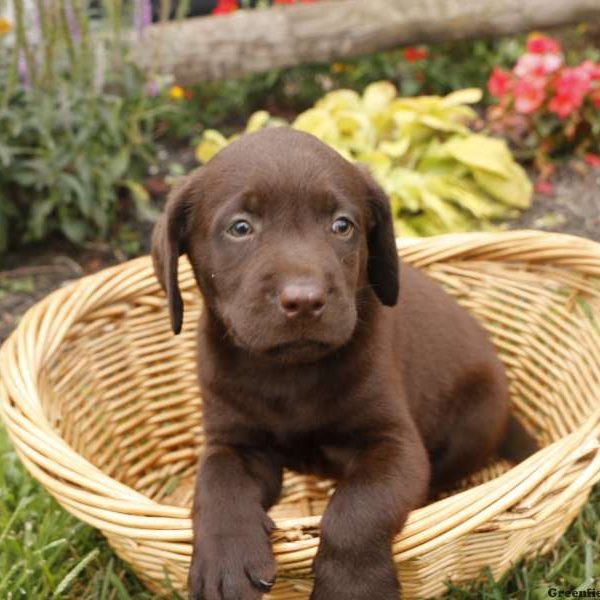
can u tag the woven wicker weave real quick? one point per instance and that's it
(101, 402)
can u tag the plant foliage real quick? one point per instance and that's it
(75, 123)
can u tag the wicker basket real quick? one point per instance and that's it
(101, 402)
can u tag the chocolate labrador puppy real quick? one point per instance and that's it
(310, 359)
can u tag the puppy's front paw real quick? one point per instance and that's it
(350, 578)
(232, 563)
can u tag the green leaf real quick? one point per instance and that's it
(76, 231)
(378, 95)
(212, 142)
(451, 217)
(6, 154)
(466, 96)
(482, 152)
(38, 220)
(119, 164)
(442, 125)
(257, 121)
(513, 190)
(141, 199)
(395, 149)
(468, 197)
(83, 197)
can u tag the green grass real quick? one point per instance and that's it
(46, 553)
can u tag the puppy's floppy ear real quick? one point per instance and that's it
(168, 244)
(382, 266)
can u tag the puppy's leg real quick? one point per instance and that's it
(232, 557)
(473, 432)
(384, 483)
(518, 444)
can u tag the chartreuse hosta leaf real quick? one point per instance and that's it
(212, 142)
(439, 175)
(460, 97)
(339, 100)
(257, 121)
(493, 168)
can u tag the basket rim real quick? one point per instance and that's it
(114, 507)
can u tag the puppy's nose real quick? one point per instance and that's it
(302, 299)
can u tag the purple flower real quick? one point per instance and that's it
(23, 70)
(152, 88)
(72, 23)
(143, 14)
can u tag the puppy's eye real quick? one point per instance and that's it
(342, 227)
(240, 229)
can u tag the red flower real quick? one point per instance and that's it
(412, 55)
(529, 95)
(592, 159)
(544, 187)
(571, 85)
(499, 83)
(563, 105)
(538, 43)
(225, 6)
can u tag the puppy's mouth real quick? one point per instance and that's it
(302, 346)
(300, 351)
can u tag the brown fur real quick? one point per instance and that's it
(394, 395)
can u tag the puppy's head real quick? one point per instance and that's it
(287, 241)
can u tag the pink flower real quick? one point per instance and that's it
(538, 43)
(592, 159)
(143, 15)
(529, 95)
(592, 69)
(499, 83)
(544, 187)
(573, 80)
(538, 65)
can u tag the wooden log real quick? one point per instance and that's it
(251, 41)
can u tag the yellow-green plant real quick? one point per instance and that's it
(439, 174)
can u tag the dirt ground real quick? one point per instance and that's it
(574, 208)
(31, 274)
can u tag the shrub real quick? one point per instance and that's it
(64, 157)
(76, 124)
(439, 175)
